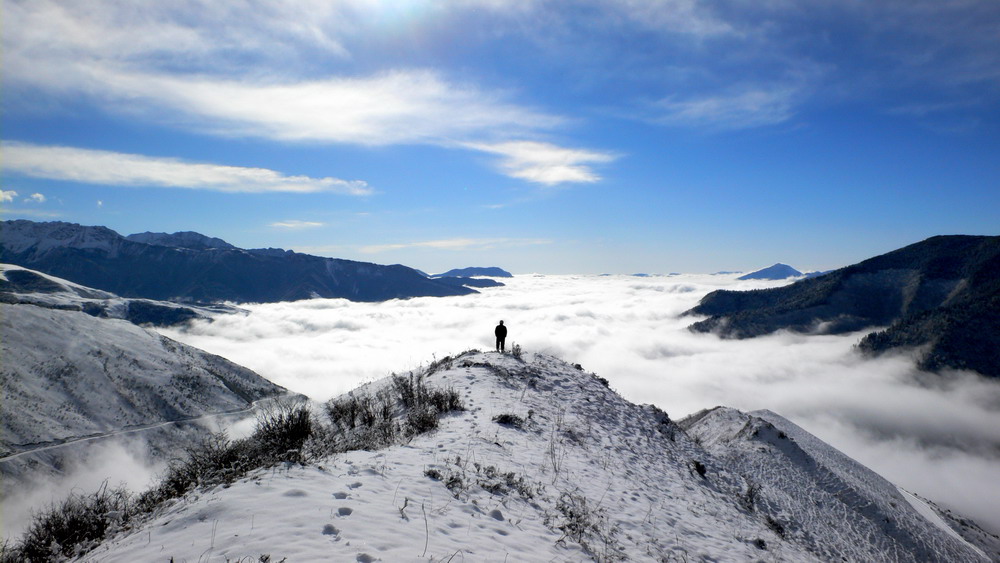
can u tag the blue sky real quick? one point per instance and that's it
(559, 137)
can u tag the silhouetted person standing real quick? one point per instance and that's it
(501, 332)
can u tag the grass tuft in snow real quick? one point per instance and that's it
(460, 479)
(81, 522)
(282, 431)
(262, 558)
(404, 409)
(775, 526)
(590, 527)
(509, 419)
(73, 526)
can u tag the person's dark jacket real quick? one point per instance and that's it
(501, 331)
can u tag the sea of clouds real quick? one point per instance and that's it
(935, 434)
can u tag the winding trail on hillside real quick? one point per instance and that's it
(39, 447)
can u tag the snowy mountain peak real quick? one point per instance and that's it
(22, 235)
(544, 463)
(183, 239)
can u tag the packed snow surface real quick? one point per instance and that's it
(547, 463)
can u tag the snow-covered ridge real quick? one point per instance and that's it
(67, 374)
(548, 464)
(24, 286)
(21, 235)
(184, 239)
(818, 493)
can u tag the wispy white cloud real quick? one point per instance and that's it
(7, 196)
(686, 17)
(190, 34)
(456, 244)
(295, 224)
(402, 106)
(753, 107)
(123, 169)
(35, 198)
(164, 65)
(33, 212)
(544, 163)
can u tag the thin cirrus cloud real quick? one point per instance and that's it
(753, 107)
(295, 224)
(455, 244)
(123, 169)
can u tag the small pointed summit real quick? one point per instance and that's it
(776, 272)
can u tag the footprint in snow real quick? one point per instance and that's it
(496, 514)
(330, 530)
(365, 558)
(295, 493)
(354, 485)
(345, 511)
(340, 495)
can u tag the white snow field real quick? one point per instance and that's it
(83, 391)
(69, 375)
(547, 463)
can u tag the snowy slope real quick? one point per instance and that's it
(815, 493)
(25, 286)
(67, 374)
(580, 474)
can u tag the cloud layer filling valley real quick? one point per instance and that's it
(938, 436)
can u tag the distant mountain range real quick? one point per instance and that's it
(776, 272)
(490, 272)
(942, 293)
(184, 239)
(190, 267)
